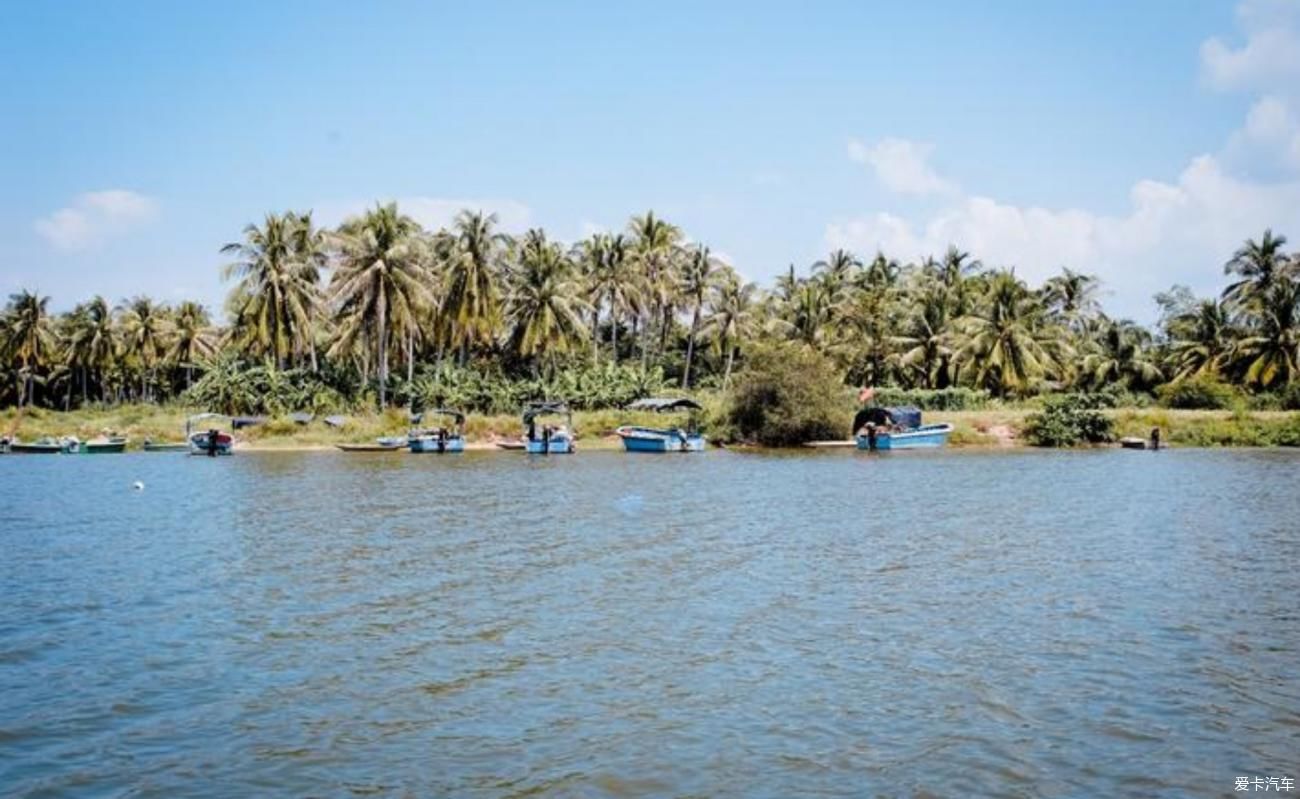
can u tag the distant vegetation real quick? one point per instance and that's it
(380, 312)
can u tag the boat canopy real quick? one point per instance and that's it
(240, 422)
(549, 407)
(459, 416)
(665, 404)
(198, 417)
(905, 417)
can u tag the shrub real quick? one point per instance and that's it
(1197, 393)
(787, 394)
(1068, 420)
(941, 399)
(1291, 397)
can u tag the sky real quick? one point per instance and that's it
(1141, 142)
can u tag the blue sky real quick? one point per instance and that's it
(1139, 141)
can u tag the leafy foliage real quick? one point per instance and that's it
(1202, 392)
(1068, 420)
(788, 394)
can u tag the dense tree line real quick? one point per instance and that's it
(380, 310)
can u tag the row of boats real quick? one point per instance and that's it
(547, 430)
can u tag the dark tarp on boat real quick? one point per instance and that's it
(665, 404)
(536, 409)
(905, 417)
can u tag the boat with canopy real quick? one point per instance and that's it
(877, 428)
(664, 439)
(550, 439)
(449, 437)
(211, 441)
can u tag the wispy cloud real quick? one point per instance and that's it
(94, 217)
(902, 165)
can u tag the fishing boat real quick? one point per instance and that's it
(165, 446)
(379, 446)
(550, 439)
(445, 438)
(104, 445)
(212, 441)
(663, 439)
(897, 428)
(41, 446)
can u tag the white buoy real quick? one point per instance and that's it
(137, 485)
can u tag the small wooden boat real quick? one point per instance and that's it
(512, 444)
(667, 439)
(441, 439)
(898, 428)
(212, 441)
(105, 445)
(551, 439)
(41, 446)
(1132, 442)
(376, 447)
(165, 446)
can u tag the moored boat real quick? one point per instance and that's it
(165, 446)
(897, 428)
(104, 445)
(41, 446)
(376, 447)
(445, 438)
(212, 441)
(551, 439)
(663, 439)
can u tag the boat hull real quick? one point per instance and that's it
(179, 446)
(647, 439)
(199, 444)
(102, 447)
(368, 447)
(35, 449)
(432, 444)
(557, 446)
(930, 436)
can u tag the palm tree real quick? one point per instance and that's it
(1260, 265)
(472, 303)
(1271, 353)
(380, 281)
(612, 280)
(1071, 296)
(28, 338)
(192, 339)
(91, 342)
(837, 274)
(925, 343)
(1201, 340)
(1003, 345)
(1122, 355)
(731, 318)
(145, 336)
(654, 250)
(278, 288)
(545, 305)
(697, 278)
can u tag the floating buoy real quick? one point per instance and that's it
(137, 485)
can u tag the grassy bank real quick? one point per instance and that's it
(995, 427)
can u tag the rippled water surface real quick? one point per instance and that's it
(1037, 624)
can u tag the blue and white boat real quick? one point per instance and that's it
(662, 439)
(897, 428)
(442, 439)
(548, 439)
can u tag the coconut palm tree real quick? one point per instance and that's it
(655, 254)
(193, 339)
(698, 277)
(1270, 354)
(472, 303)
(379, 283)
(29, 338)
(837, 273)
(925, 345)
(1259, 264)
(1201, 340)
(1071, 297)
(611, 281)
(545, 302)
(1122, 355)
(145, 335)
(731, 318)
(91, 343)
(278, 288)
(1003, 346)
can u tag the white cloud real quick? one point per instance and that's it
(437, 212)
(1269, 59)
(94, 217)
(901, 165)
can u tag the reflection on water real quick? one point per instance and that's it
(1100, 623)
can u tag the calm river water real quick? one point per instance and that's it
(321, 624)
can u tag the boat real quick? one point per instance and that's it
(1132, 442)
(663, 439)
(551, 439)
(103, 444)
(375, 447)
(208, 442)
(41, 446)
(165, 446)
(512, 444)
(450, 438)
(897, 428)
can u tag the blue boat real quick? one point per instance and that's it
(662, 439)
(897, 428)
(549, 439)
(442, 439)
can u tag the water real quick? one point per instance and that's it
(319, 624)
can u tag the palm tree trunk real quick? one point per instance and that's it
(690, 347)
(410, 357)
(613, 330)
(595, 335)
(731, 357)
(311, 348)
(383, 351)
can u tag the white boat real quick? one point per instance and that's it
(550, 439)
(662, 439)
(212, 441)
(440, 439)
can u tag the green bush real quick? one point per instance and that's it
(1068, 420)
(1290, 399)
(787, 394)
(1197, 393)
(942, 399)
